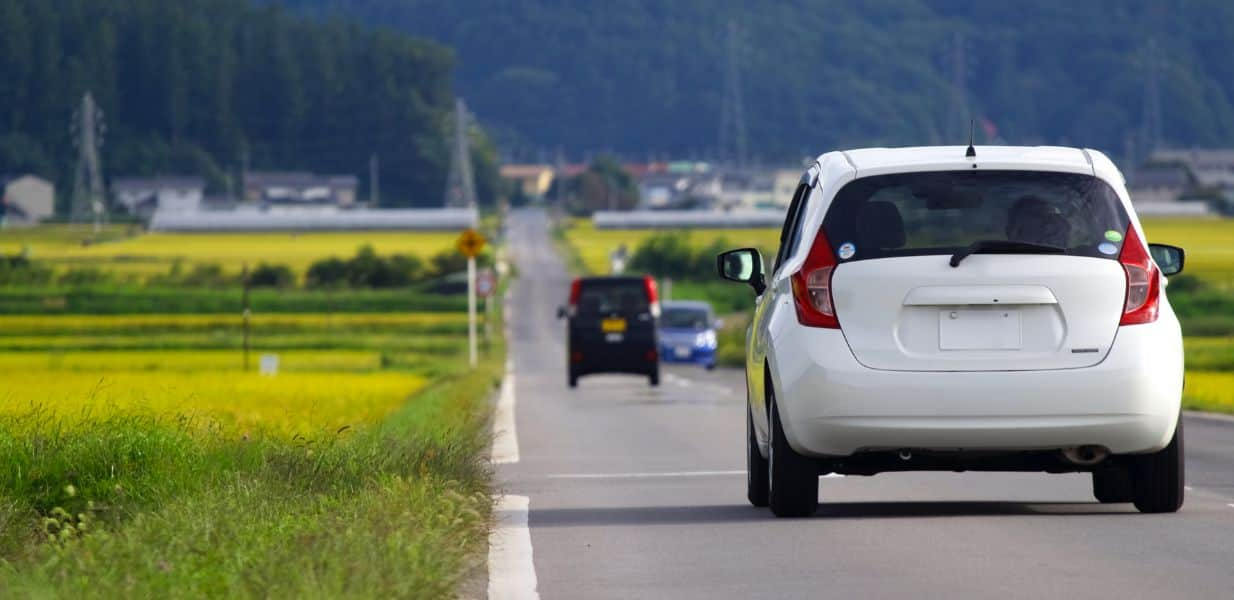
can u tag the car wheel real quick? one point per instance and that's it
(756, 466)
(710, 366)
(1113, 485)
(654, 378)
(572, 379)
(792, 478)
(1157, 478)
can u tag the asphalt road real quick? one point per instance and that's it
(637, 492)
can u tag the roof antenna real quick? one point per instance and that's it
(971, 152)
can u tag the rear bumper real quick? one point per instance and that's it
(621, 359)
(833, 406)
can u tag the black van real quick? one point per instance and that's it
(612, 325)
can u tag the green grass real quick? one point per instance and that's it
(399, 509)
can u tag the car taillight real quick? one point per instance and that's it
(653, 297)
(1142, 302)
(812, 286)
(576, 289)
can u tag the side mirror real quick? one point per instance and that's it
(744, 265)
(1169, 258)
(718, 324)
(561, 312)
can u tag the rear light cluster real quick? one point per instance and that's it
(576, 289)
(812, 286)
(653, 297)
(1143, 299)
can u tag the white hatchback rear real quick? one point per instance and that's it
(946, 308)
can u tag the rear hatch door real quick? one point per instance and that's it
(903, 306)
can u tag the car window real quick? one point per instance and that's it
(598, 297)
(907, 214)
(685, 318)
(788, 234)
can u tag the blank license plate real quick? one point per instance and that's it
(963, 329)
(682, 351)
(613, 325)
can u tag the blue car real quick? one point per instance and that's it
(688, 333)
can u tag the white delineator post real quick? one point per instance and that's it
(471, 309)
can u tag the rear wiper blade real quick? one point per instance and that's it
(1003, 247)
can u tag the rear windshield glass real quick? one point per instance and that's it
(909, 214)
(601, 296)
(685, 318)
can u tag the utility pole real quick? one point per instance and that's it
(461, 185)
(373, 190)
(732, 136)
(1151, 128)
(244, 171)
(87, 129)
(247, 315)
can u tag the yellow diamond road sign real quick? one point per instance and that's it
(470, 243)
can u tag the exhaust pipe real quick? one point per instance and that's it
(906, 454)
(1085, 455)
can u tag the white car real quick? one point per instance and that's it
(963, 309)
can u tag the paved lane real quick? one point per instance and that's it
(638, 492)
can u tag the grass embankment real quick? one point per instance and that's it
(166, 470)
(1204, 299)
(135, 505)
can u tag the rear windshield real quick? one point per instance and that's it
(607, 296)
(675, 317)
(910, 214)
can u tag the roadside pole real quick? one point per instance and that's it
(469, 244)
(471, 309)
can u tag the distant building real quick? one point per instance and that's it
(532, 180)
(142, 196)
(300, 189)
(1157, 184)
(26, 200)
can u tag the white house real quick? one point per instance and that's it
(300, 189)
(25, 200)
(143, 195)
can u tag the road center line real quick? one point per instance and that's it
(511, 571)
(505, 438)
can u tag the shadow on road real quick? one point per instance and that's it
(684, 515)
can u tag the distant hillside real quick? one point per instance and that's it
(192, 86)
(645, 76)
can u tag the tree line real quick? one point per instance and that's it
(645, 78)
(207, 86)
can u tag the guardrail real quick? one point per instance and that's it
(688, 219)
(423, 219)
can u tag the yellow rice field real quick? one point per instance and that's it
(1209, 244)
(132, 253)
(132, 361)
(289, 403)
(1210, 391)
(100, 324)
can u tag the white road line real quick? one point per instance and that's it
(653, 475)
(511, 571)
(1230, 505)
(505, 438)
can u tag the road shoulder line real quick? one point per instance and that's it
(505, 437)
(1207, 416)
(511, 571)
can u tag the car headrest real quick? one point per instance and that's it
(880, 225)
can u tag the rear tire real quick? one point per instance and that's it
(1113, 485)
(756, 466)
(654, 378)
(793, 480)
(572, 379)
(1158, 478)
